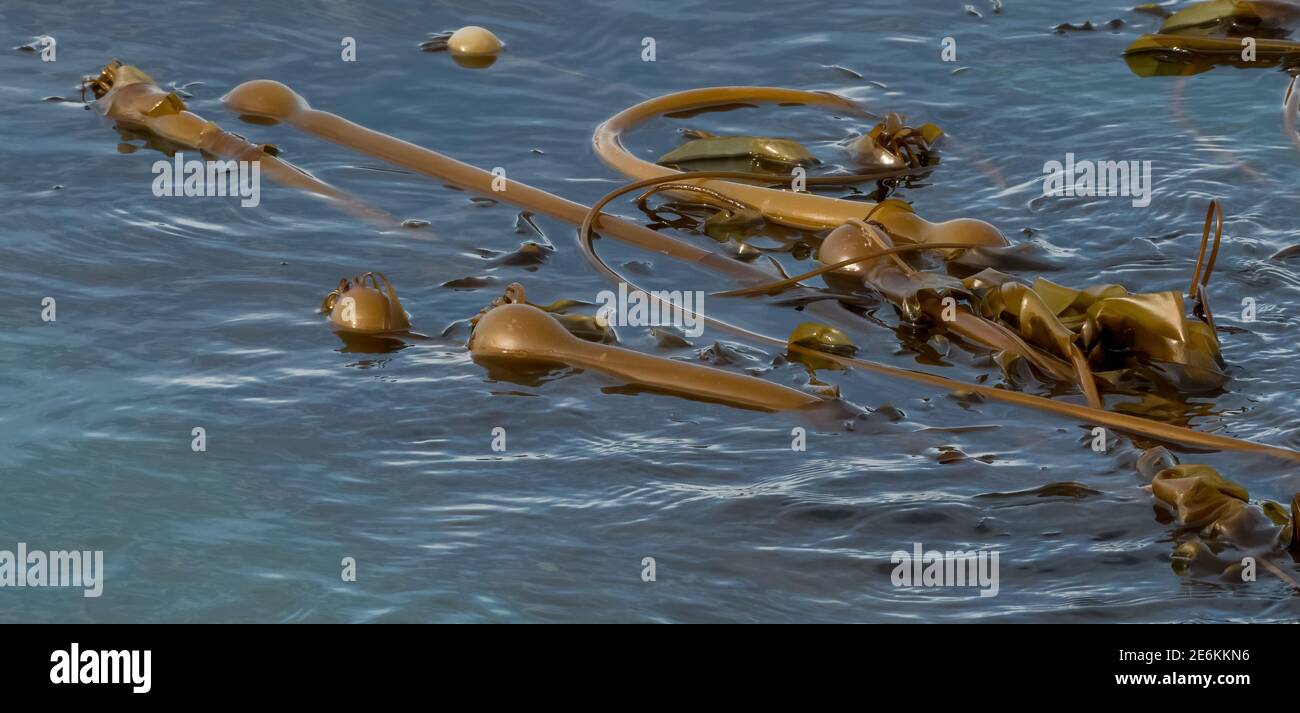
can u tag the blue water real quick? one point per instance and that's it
(181, 313)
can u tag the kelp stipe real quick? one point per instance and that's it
(516, 331)
(132, 99)
(806, 211)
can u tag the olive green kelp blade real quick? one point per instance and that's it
(1203, 35)
(1234, 18)
(768, 155)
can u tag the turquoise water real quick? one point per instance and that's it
(175, 313)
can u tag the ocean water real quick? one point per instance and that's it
(177, 313)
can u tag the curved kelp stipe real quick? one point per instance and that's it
(805, 211)
(132, 99)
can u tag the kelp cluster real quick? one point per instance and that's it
(950, 277)
(1100, 333)
(1120, 334)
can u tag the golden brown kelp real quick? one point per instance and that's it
(272, 100)
(513, 330)
(1102, 328)
(920, 293)
(1088, 414)
(1216, 517)
(1234, 18)
(268, 99)
(132, 99)
(368, 309)
(1182, 55)
(1206, 34)
(807, 211)
(1115, 330)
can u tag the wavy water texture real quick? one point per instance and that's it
(176, 313)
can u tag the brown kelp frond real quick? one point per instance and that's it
(1234, 18)
(275, 100)
(1148, 333)
(1215, 515)
(1074, 325)
(892, 144)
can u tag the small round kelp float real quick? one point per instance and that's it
(823, 338)
(366, 305)
(367, 314)
(471, 46)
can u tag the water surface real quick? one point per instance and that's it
(176, 313)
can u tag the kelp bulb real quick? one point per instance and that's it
(473, 41)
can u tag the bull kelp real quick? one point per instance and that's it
(960, 281)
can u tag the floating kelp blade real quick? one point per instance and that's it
(1234, 18)
(1183, 55)
(780, 155)
(1215, 514)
